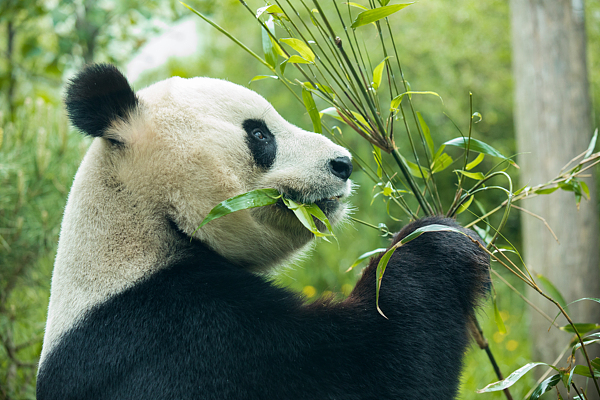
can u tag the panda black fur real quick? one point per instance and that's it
(140, 311)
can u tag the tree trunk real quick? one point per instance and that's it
(554, 124)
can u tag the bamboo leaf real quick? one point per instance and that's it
(378, 74)
(585, 371)
(475, 162)
(553, 292)
(592, 145)
(302, 48)
(364, 256)
(477, 145)
(497, 316)
(316, 212)
(381, 266)
(260, 77)
(473, 175)
(366, 17)
(511, 379)
(296, 59)
(271, 9)
(545, 386)
(426, 132)
(581, 328)
(252, 199)
(398, 99)
(267, 43)
(357, 5)
(546, 191)
(441, 162)
(464, 206)
(309, 103)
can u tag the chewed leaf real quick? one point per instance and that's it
(252, 199)
(302, 48)
(512, 378)
(366, 17)
(305, 213)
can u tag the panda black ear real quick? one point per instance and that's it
(97, 96)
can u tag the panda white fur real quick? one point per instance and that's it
(143, 308)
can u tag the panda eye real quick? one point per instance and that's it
(257, 133)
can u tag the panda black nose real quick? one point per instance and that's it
(341, 167)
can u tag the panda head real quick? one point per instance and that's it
(174, 150)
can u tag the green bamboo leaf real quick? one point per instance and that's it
(512, 378)
(316, 212)
(366, 17)
(378, 161)
(357, 5)
(464, 206)
(475, 162)
(546, 191)
(428, 228)
(270, 9)
(592, 145)
(260, 77)
(267, 43)
(383, 262)
(332, 112)
(426, 132)
(553, 292)
(473, 175)
(585, 189)
(414, 169)
(296, 59)
(477, 145)
(384, 2)
(365, 256)
(302, 48)
(498, 317)
(583, 370)
(303, 216)
(398, 99)
(252, 199)
(545, 386)
(309, 103)
(581, 328)
(381, 266)
(378, 74)
(441, 162)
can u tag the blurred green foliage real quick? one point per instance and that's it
(447, 47)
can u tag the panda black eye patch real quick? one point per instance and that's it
(261, 142)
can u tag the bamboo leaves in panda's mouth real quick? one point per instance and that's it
(266, 197)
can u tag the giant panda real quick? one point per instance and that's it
(142, 306)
